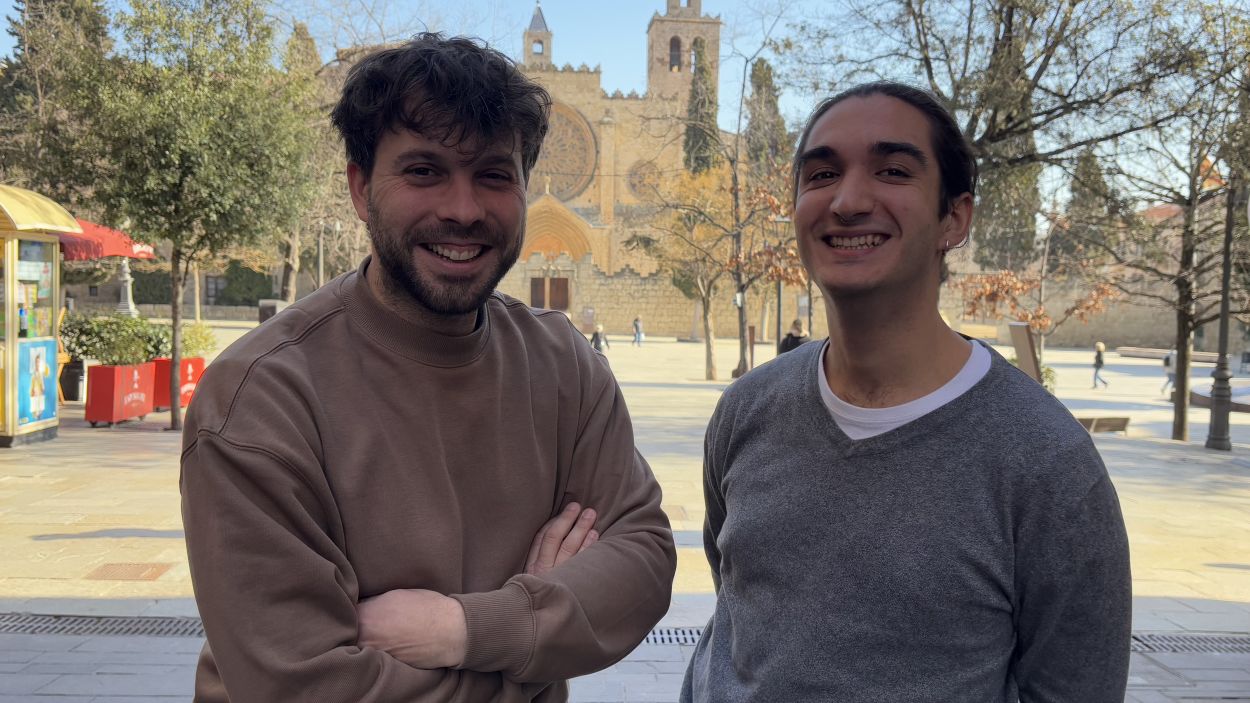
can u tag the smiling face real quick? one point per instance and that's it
(868, 198)
(446, 222)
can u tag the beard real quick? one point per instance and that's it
(442, 296)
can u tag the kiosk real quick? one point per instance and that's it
(29, 304)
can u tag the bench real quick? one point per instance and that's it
(1104, 424)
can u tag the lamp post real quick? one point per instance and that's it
(1221, 391)
(781, 225)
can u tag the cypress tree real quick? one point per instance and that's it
(702, 135)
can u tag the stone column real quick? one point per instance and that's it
(607, 167)
(126, 305)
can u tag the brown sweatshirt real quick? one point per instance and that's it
(338, 452)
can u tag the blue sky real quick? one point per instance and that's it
(610, 34)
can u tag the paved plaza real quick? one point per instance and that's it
(89, 525)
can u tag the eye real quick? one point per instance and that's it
(501, 176)
(419, 171)
(822, 174)
(895, 172)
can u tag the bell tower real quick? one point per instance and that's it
(670, 51)
(537, 41)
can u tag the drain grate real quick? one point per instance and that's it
(674, 635)
(22, 624)
(92, 625)
(1193, 644)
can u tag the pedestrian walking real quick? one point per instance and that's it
(1169, 368)
(1099, 348)
(599, 340)
(639, 335)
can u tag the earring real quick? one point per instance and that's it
(946, 245)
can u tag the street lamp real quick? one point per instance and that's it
(1218, 436)
(781, 222)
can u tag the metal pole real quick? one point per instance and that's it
(778, 311)
(810, 304)
(321, 271)
(1221, 391)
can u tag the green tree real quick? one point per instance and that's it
(302, 64)
(1005, 230)
(768, 142)
(702, 135)
(202, 129)
(1089, 215)
(59, 52)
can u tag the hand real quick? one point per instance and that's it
(564, 536)
(422, 629)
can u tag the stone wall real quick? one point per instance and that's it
(162, 312)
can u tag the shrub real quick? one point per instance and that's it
(198, 340)
(115, 340)
(76, 335)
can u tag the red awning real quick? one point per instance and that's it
(98, 241)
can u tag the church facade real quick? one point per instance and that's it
(603, 153)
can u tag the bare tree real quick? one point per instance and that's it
(1032, 82)
(1169, 251)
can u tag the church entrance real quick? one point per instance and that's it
(550, 293)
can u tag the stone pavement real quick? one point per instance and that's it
(89, 525)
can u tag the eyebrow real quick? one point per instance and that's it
(489, 159)
(904, 148)
(825, 153)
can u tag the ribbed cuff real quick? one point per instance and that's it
(500, 628)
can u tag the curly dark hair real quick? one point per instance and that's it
(956, 165)
(454, 89)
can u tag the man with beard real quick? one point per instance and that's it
(407, 486)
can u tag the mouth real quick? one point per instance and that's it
(855, 242)
(456, 252)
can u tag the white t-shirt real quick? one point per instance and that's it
(861, 423)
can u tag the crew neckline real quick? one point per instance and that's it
(406, 338)
(862, 423)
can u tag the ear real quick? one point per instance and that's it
(957, 222)
(358, 184)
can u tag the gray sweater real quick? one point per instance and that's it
(975, 554)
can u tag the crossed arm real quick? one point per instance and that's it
(427, 630)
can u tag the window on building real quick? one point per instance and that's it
(674, 55)
(93, 291)
(537, 48)
(213, 286)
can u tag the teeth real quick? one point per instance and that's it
(455, 254)
(863, 241)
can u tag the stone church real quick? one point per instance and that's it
(602, 153)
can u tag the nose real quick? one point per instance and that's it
(852, 199)
(459, 202)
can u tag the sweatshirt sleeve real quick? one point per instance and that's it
(713, 496)
(1074, 589)
(276, 595)
(592, 610)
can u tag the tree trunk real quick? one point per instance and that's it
(709, 341)
(176, 277)
(742, 328)
(1184, 348)
(290, 266)
(1184, 327)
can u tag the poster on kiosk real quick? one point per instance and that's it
(36, 381)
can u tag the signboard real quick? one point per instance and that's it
(36, 381)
